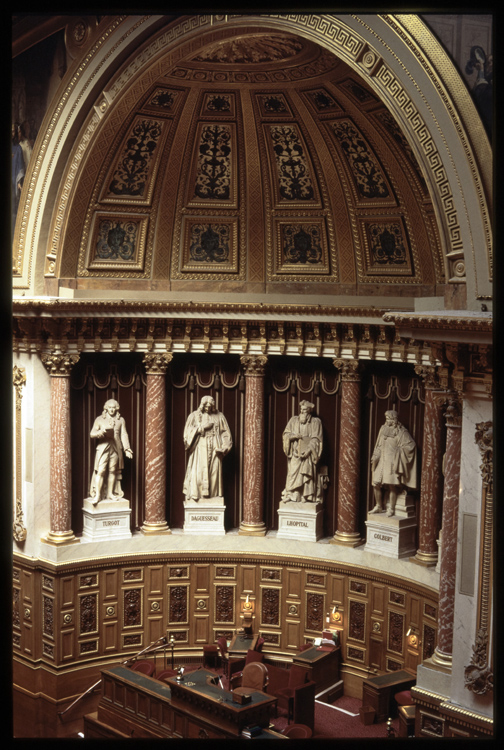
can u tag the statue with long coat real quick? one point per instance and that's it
(302, 444)
(207, 439)
(393, 463)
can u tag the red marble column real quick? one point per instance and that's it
(59, 365)
(349, 454)
(431, 482)
(253, 451)
(156, 366)
(443, 651)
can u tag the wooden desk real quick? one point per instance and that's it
(378, 692)
(323, 666)
(137, 706)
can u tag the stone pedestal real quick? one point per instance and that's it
(109, 519)
(204, 516)
(392, 536)
(301, 521)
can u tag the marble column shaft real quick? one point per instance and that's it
(349, 455)
(431, 483)
(253, 458)
(448, 565)
(60, 512)
(155, 444)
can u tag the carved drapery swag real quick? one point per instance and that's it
(478, 675)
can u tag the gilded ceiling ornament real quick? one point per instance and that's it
(292, 167)
(59, 364)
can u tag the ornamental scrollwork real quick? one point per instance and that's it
(484, 441)
(478, 677)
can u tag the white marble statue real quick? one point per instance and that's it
(109, 429)
(393, 463)
(302, 444)
(207, 439)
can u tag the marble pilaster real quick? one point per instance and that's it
(448, 564)
(156, 365)
(59, 365)
(349, 454)
(252, 523)
(431, 483)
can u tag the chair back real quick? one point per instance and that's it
(259, 644)
(144, 666)
(253, 656)
(297, 676)
(297, 732)
(254, 676)
(222, 644)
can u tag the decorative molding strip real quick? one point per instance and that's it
(19, 530)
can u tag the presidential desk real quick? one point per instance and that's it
(136, 706)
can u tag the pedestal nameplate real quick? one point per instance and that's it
(204, 516)
(109, 519)
(390, 536)
(300, 521)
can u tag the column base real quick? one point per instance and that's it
(58, 538)
(252, 529)
(439, 659)
(427, 559)
(347, 538)
(149, 529)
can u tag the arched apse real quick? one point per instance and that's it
(396, 56)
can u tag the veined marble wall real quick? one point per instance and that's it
(477, 408)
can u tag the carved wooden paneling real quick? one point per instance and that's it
(270, 606)
(357, 620)
(392, 665)
(357, 587)
(315, 579)
(88, 580)
(178, 572)
(395, 632)
(271, 639)
(178, 610)
(132, 608)
(225, 571)
(224, 603)
(354, 653)
(88, 613)
(294, 585)
(271, 574)
(414, 611)
(397, 598)
(48, 616)
(133, 575)
(429, 641)
(155, 628)
(315, 611)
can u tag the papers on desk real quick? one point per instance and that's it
(251, 731)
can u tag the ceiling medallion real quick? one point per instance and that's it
(252, 50)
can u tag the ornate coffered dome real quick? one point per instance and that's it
(257, 161)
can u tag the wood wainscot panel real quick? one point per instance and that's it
(376, 655)
(336, 591)
(66, 590)
(155, 579)
(314, 611)
(248, 573)
(155, 628)
(110, 636)
(110, 588)
(201, 628)
(292, 632)
(294, 583)
(202, 578)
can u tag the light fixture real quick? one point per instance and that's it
(336, 617)
(412, 635)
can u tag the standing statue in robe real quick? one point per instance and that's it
(302, 444)
(110, 431)
(207, 439)
(393, 463)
